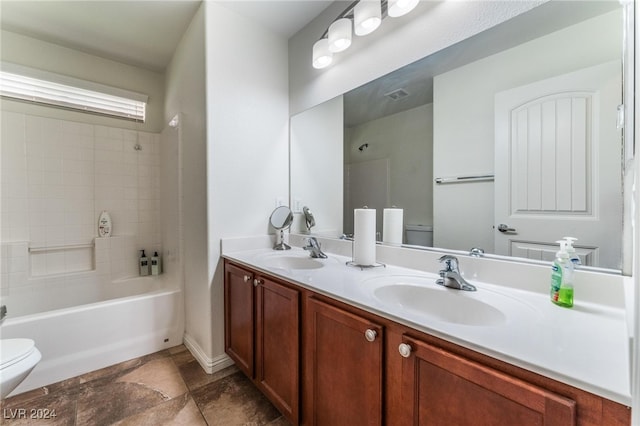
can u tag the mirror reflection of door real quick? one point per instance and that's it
(558, 165)
(366, 184)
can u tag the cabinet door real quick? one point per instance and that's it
(239, 325)
(446, 389)
(278, 345)
(343, 372)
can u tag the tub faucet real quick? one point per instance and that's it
(450, 275)
(313, 247)
(3, 312)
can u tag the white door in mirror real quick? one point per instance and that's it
(558, 166)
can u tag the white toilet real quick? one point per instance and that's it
(17, 358)
(419, 235)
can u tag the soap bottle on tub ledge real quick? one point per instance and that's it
(143, 263)
(156, 264)
(562, 277)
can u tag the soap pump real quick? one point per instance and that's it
(571, 251)
(562, 277)
(143, 263)
(156, 264)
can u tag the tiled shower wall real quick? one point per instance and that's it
(57, 176)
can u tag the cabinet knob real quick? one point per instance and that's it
(370, 335)
(257, 282)
(405, 350)
(247, 278)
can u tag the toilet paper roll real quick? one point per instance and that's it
(364, 237)
(392, 225)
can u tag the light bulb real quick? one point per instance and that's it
(367, 16)
(322, 56)
(340, 35)
(401, 7)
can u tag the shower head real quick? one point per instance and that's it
(362, 147)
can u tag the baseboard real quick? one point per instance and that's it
(210, 365)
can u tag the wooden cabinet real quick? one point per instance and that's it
(442, 388)
(278, 345)
(262, 335)
(239, 317)
(344, 367)
(325, 362)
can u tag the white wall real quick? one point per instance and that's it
(406, 139)
(464, 129)
(30, 52)
(247, 139)
(185, 96)
(429, 28)
(316, 148)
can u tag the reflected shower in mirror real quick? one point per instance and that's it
(530, 105)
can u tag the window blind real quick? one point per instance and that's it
(40, 91)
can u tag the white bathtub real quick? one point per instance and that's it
(91, 326)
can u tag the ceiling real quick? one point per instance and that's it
(368, 102)
(144, 33)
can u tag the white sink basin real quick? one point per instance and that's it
(421, 297)
(292, 260)
(441, 304)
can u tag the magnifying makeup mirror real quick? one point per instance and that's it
(281, 219)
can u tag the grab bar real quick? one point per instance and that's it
(38, 249)
(460, 179)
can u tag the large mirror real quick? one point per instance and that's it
(507, 141)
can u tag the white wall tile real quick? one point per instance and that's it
(57, 176)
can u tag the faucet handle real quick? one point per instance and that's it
(312, 242)
(450, 262)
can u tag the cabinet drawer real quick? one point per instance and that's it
(446, 389)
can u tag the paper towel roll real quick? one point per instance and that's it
(392, 226)
(364, 236)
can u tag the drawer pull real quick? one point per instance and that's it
(257, 282)
(370, 335)
(405, 350)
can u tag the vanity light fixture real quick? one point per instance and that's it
(400, 7)
(322, 56)
(361, 17)
(340, 35)
(367, 16)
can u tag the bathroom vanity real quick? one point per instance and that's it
(311, 336)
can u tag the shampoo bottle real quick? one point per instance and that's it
(156, 264)
(143, 263)
(104, 224)
(562, 278)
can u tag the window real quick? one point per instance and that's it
(19, 83)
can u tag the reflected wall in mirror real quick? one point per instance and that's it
(532, 101)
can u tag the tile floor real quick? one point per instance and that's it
(164, 388)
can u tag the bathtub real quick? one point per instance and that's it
(85, 326)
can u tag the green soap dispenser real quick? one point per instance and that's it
(562, 277)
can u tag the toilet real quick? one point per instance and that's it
(17, 358)
(419, 235)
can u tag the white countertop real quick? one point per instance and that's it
(586, 346)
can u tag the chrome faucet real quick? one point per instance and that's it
(450, 275)
(313, 247)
